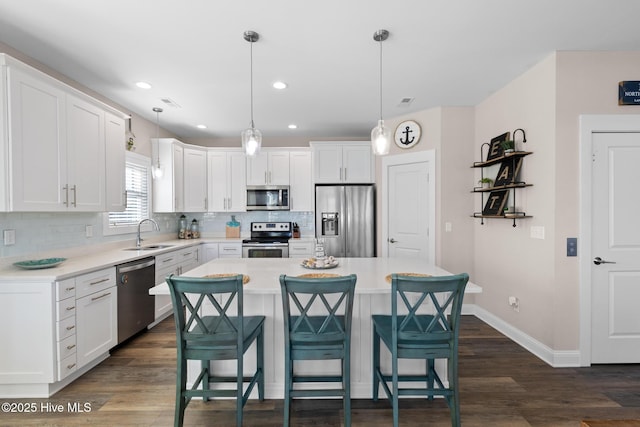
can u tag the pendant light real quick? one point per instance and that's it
(156, 170)
(251, 137)
(380, 135)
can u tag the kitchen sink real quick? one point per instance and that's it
(149, 248)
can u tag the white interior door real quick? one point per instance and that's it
(615, 281)
(409, 203)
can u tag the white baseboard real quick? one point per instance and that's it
(555, 358)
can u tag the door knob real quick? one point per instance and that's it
(392, 240)
(597, 261)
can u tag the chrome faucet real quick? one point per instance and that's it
(155, 225)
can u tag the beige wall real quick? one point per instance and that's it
(547, 102)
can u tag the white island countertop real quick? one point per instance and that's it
(264, 273)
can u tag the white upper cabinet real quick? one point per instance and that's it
(269, 167)
(116, 196)
(53, 140)
(168, 189)
(85, 156)
(195, 179)
(301, 182)
(343, 162)
(227, 181)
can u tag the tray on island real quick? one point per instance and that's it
(311, 264)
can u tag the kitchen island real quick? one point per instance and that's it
(262, 296)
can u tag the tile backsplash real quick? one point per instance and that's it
(45, 232)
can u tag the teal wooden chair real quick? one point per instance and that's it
(420, 336)
(317, 326)
(218, 336)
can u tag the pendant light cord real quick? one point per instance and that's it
(251, 82)
(380, 42)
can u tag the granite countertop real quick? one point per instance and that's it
(82, 260)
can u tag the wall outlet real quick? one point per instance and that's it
(9, 237)
(447, 227)
(514, 303)
(88, 230)
(537, 232)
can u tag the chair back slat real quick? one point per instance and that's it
(194, 293)
(412, 294)
(317, 310)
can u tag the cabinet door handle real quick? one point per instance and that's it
(266, 181)
(71, 308)
(269, 177)
(69, 347)
(126, 199)
(71, 366)
(70, 289)
(345, 174)
(167, 260)
(66, 195)
(71, 327)
(101, 296)
(75, 196)
(99, 281)
(206, 204)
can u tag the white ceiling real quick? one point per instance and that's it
(439, 52)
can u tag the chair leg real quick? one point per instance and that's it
(346, 384)
(454, 405)
(260, 363)
(288, 383)
(181, 385)
(430, 375)
(376, 364)
(394, 379)
(239, 389)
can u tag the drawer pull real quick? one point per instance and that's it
(71, 327)
(101, 296)
(167, 260)
(71, 308)
(71, 366)
(70, 289)
(187, 254)
(99, 281)
(69, 347)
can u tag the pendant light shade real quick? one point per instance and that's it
(380, 135)
(156, 170)
(251, 137)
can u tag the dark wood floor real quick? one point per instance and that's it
(501, 385)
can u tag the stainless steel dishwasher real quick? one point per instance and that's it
(136, 308)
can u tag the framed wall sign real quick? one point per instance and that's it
(508, 172)
(407, 134)
(495, 147)
(629, 93)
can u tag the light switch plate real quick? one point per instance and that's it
(537, 232)
(9, 237)
(572, 246)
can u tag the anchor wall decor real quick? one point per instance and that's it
(407, 134)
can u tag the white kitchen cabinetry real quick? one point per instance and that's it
(269, 167)
(195, 179)
(230, 250)
(116, 196)
(343, 162)
(175, 262)
(209, 252)
(227, 181)
(168, 189)
(55, 331)
(301, 187)
(53, 140)
(301, 248)
(96, 315)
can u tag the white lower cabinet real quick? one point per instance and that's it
(230, 250)
(175, 262)
(96, 324)
(54, 330)
(301, 248)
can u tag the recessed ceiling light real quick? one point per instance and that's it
(201, 126)
(143, 85)
(280, 85)
(292, 126)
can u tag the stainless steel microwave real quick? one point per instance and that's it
(267, 197)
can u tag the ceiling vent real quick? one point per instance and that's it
(170, 102)
(405, 102)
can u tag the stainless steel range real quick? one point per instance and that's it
(268, 240)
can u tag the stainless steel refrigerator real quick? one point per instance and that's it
(345, 220)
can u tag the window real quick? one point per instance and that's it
(138, 177)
